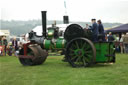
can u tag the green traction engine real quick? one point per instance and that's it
(76, 45)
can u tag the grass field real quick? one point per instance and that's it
(56, 72)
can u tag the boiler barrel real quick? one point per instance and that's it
(57, 44)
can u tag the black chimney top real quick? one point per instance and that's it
(44, 23)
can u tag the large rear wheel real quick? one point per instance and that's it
(80, 52)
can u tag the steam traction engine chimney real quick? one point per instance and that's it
(44, 23)
(65, 19)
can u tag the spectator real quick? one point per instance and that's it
(101, 31)
(1, 50)
(121, 44)
(1, 47)
(20, 45)
(24, 39)
(125, 41)
(106, 37)
(15, 44)
(110, 37)
(10, 49)
(3, 43)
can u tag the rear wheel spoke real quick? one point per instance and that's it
(84, 46)
(89, 57)
(86, 59)
(88, 52)
(78, 59)
(73, 46)
(74, 57)
(77, 44)
(71, 50)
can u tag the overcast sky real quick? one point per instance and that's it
(78, 10)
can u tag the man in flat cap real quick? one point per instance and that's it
(94, 30)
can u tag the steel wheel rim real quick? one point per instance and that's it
(80, 52)
(27, 61)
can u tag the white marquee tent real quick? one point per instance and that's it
(2, 34)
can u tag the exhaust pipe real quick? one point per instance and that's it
(44, 23)
(65, 19)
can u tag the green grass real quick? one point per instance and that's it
(56, 72)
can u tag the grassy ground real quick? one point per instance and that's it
(56, 72)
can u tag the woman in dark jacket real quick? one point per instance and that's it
(101, 30)
(15, 44)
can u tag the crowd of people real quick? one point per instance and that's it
(11, 47)
(122, 43)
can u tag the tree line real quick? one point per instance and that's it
(21, 27)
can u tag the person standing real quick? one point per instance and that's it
(110, 37)
(125, 42)
(121, 44)
(15, 44)
(101, 30)
(1, 46)
(5, 42)
(94, 30)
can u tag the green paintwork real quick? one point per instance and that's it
(103, 49)
(80, 52)
(47, 44)
(50, 33)
(60, 43)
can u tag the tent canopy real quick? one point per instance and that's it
(120, 29)
(2, 34)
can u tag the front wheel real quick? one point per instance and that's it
(35, 55)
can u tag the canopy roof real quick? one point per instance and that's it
(120, 29)
(2, 34)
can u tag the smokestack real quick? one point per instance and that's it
(44, 23)
(65, 20)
